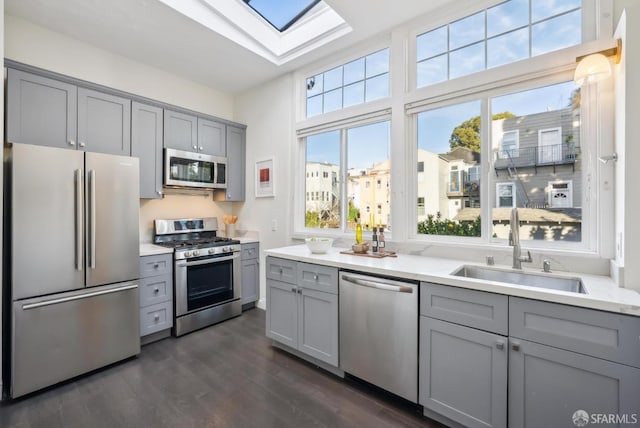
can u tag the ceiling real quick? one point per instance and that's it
(152, 33)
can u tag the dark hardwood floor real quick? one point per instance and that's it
(227, 375)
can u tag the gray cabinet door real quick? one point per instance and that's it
(180, 131)
(146, 144)
(250, 281)
(548, 385)
(40, 111)
(104, 123)
(211, 138)
(318, 325)
(236, 149)
(463, 373)
(282, 313)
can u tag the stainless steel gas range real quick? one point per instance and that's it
(207, 272)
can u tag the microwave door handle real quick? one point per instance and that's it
(92, 213)
(79, 218)
(207, 261)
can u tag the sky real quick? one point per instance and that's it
(280, 12)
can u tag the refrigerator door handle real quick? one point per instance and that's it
(79, 219)
(92, 219)
(127, 286)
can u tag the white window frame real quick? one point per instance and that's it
(541, 151)
(514, 195)
(516, 151)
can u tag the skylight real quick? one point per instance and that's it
(283, 13)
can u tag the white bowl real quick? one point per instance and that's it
(319, 245)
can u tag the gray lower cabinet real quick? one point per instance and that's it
(303, 317)
(250, 274)
(146, 144)
(156, 294)
(547, 386)
(48, 112)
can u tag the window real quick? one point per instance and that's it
(561, 194)
(362, 80)
(510, 31)
(509, 145)
(550, 145)
(448, 145)
(367, 151)
(505, 195)
(281, 14)
(420, 166)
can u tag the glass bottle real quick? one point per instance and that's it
(381, 243)
(358, 230)
(374, 241)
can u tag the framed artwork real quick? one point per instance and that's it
(265, 187)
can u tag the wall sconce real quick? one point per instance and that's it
(595, 67)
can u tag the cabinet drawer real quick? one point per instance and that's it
(281, 270)
(161, 264)
(155, 289)
(606, 335)
(316, 277)
(156, 318)
(250, 251)
(477, 309)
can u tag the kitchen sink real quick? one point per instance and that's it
(573, 285)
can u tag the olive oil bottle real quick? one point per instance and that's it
(358, 230)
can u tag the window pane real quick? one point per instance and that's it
(354, 71)
(508, 48)
(542, 9)
(432, 43)
(314, 105)
(449, 149)
(507, 16)
(466, 31)
(547, 124)
(377, 63)
(314, 85)
(432, 71)
(281, 14)
(557, 33)
(466, 61)
(354, 94)
(332, 100)
(377, 87)
(368, 162)
(322, 181)
(333, 79)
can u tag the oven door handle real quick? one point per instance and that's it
(207, 261)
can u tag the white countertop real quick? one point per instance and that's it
(602, 292)
(147, 249)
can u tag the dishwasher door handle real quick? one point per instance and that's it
(378, 284)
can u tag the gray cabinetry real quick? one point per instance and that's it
(156, 296)
(48, 112)
(180, 131)
(236, 171)
(302, 312)
(463, 370)
(146, 144)
(211, 137)
(41, 111)
(250, 275)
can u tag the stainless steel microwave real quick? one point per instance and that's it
(189, 169)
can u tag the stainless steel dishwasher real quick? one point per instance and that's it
(379, 332)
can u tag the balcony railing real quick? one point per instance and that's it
(558, 154)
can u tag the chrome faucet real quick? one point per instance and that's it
(514, 240)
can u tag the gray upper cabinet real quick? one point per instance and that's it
(40, 111)
(146, 144)
(180, 131)
(48, 112)
(236, 153)
(548, 385)
(104, 123)
(211, 138)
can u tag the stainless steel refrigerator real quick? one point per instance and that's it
(71, 222)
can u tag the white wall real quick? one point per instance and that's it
(268, 112)
(34, 45)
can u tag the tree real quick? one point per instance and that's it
(467, 134)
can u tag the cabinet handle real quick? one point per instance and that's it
(72, 143)
(299, 290)
(515, 346)
(81, 144)
(500, 344)
(156, 317)
(281, 271)
(195, 147)
(156, 265)
(159, 192)
(156, 290)
(200, 148)
(294, 289)
(228, 195)
(315, 277)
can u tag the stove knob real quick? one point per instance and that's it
(212, 251)
(187, 254)
(196, 253)
(225, 249)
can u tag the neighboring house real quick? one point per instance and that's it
(369, 191)
(322, 189)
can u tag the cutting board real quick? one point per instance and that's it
(370, 254)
